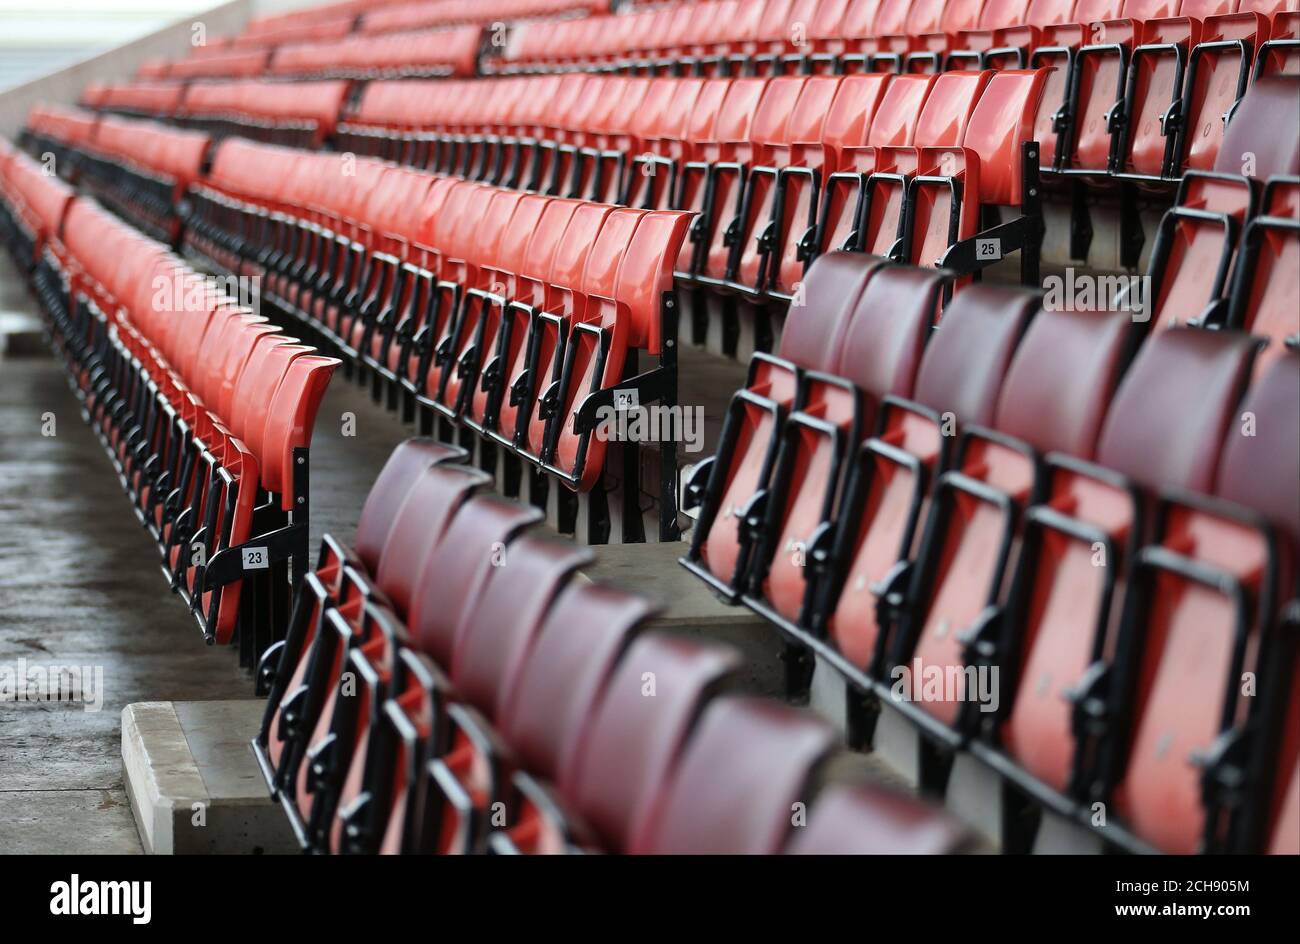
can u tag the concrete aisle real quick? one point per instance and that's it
(80, 586)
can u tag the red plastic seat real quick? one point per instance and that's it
(1187, 636)
(843, 220)
(1101, 72)
(562, 305)
(742, 464)
(1195, 247)
(1268, 264)
(624, 312)
(1104, 509)
(943, 121)
(879, 357)
(480, 302)
(847, 123)
(1218, 69)
(951, 187)
(526, 330)
(958, 385)
(781, 190)
(1056, 393)
(725, 155)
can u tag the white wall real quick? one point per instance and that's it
(65, 85)
(266, 7)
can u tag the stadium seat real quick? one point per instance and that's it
(221, 63)
(783, 183)
(723, 487)
(447, 307)
(201, 426)
(739, 785)
(1067, 366)
(889, 114)
(415, 53)
(35, 208)
(957, 386)
(1268, 258)
(1196, 245)
(301, 114)
(142, 183)
(850, 820)
(1184, 629)
(323, 586)
(585, 633)
(878, 360)
(1046, 731)
(451, 579)
(140, 99)
(306, 673)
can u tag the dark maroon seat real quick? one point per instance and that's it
(1207, 595)
(958, 385)
(979, 330)
(871, 821)
(476, 543)
(812, 340)
(406, 464)
(1260, 470)
(887, 332)
(1059, 386)
(1263, 126)
(550, 709)
(1055, 395)
(639, 730)
(509, 614)
(740, 783)
(1167, 423)
(422, 519)
(820, 315)
(1164, 431)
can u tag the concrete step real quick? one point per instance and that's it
(20, 325)
(193, 782)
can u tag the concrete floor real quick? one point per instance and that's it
(79, 586)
